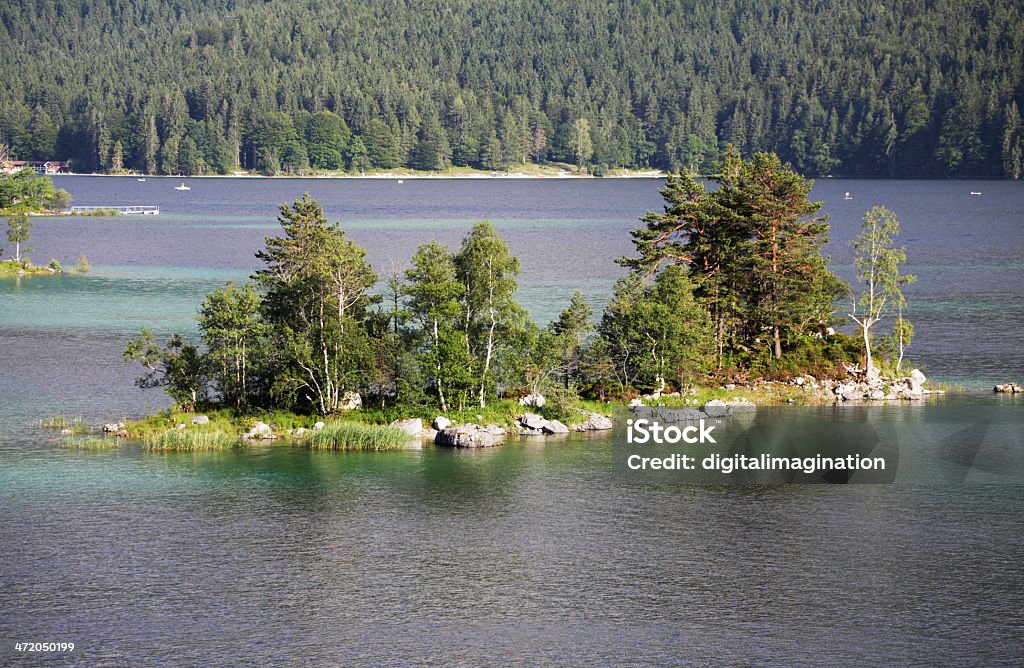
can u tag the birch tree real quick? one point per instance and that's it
(488, 270)
(877, 261)
(315, 296)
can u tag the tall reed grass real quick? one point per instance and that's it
(352, 436)
(186, 440)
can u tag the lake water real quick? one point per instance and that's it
(535, 553)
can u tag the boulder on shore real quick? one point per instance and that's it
(531, 421)
(200, 419)
(441, 423)
(555, 427)
(413, 427)
(1009, 388)
(594, 422)
(260, 430)
(466, 436)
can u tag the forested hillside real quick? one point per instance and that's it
(848, 87)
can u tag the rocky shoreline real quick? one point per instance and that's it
(857, 387)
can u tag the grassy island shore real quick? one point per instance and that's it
(728, 300)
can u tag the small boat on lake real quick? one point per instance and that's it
(847, 196)
(140, 179)
(182, 187)
(975, 192)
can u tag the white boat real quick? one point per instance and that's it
(400, 181)
(140, 179)
(975, 192)
(847, 196)
(182, 187)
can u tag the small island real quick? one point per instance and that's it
(24, 195)
(728, 302)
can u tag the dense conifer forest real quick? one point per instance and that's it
(910, 88)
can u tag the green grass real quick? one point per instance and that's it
(11, 269)
(92, 443)
(184, 440)
(96, 212)
(60, 422)
(57, 422)
(355, 436)
(762, 394)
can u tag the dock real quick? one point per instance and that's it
(124, 210)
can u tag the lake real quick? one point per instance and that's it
(535, 553)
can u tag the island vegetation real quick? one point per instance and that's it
(24, 195)
(728, 287)
(903, 89)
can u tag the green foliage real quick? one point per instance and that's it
(897, 89)
(55, 265)
(234, 333)
(561, 404)
(753, 249)
(656, 333)
(571, 328)
(878, 260)
(19, 230)
(435, 295)
(82, 266)
(25, 192)
(490, 317)
(354, 436)
(327, 140)
(315, 303)
(178, 367)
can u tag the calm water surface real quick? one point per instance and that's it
(534, 553)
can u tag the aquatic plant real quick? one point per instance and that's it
(184, 440)
(353, 436)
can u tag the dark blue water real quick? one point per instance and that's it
(532, 554)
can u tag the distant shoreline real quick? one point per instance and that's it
(646, 174)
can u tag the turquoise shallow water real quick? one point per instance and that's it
(537, 553)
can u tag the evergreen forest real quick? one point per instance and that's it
(909, 88)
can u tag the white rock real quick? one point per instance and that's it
(532, 421)
(412, 427)
(200, 419)
(466, 436)
(318, 425)
(533, 399)
(350, 401)
(441, 423)
(555, 427)
(594, 422)
(260, 430)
